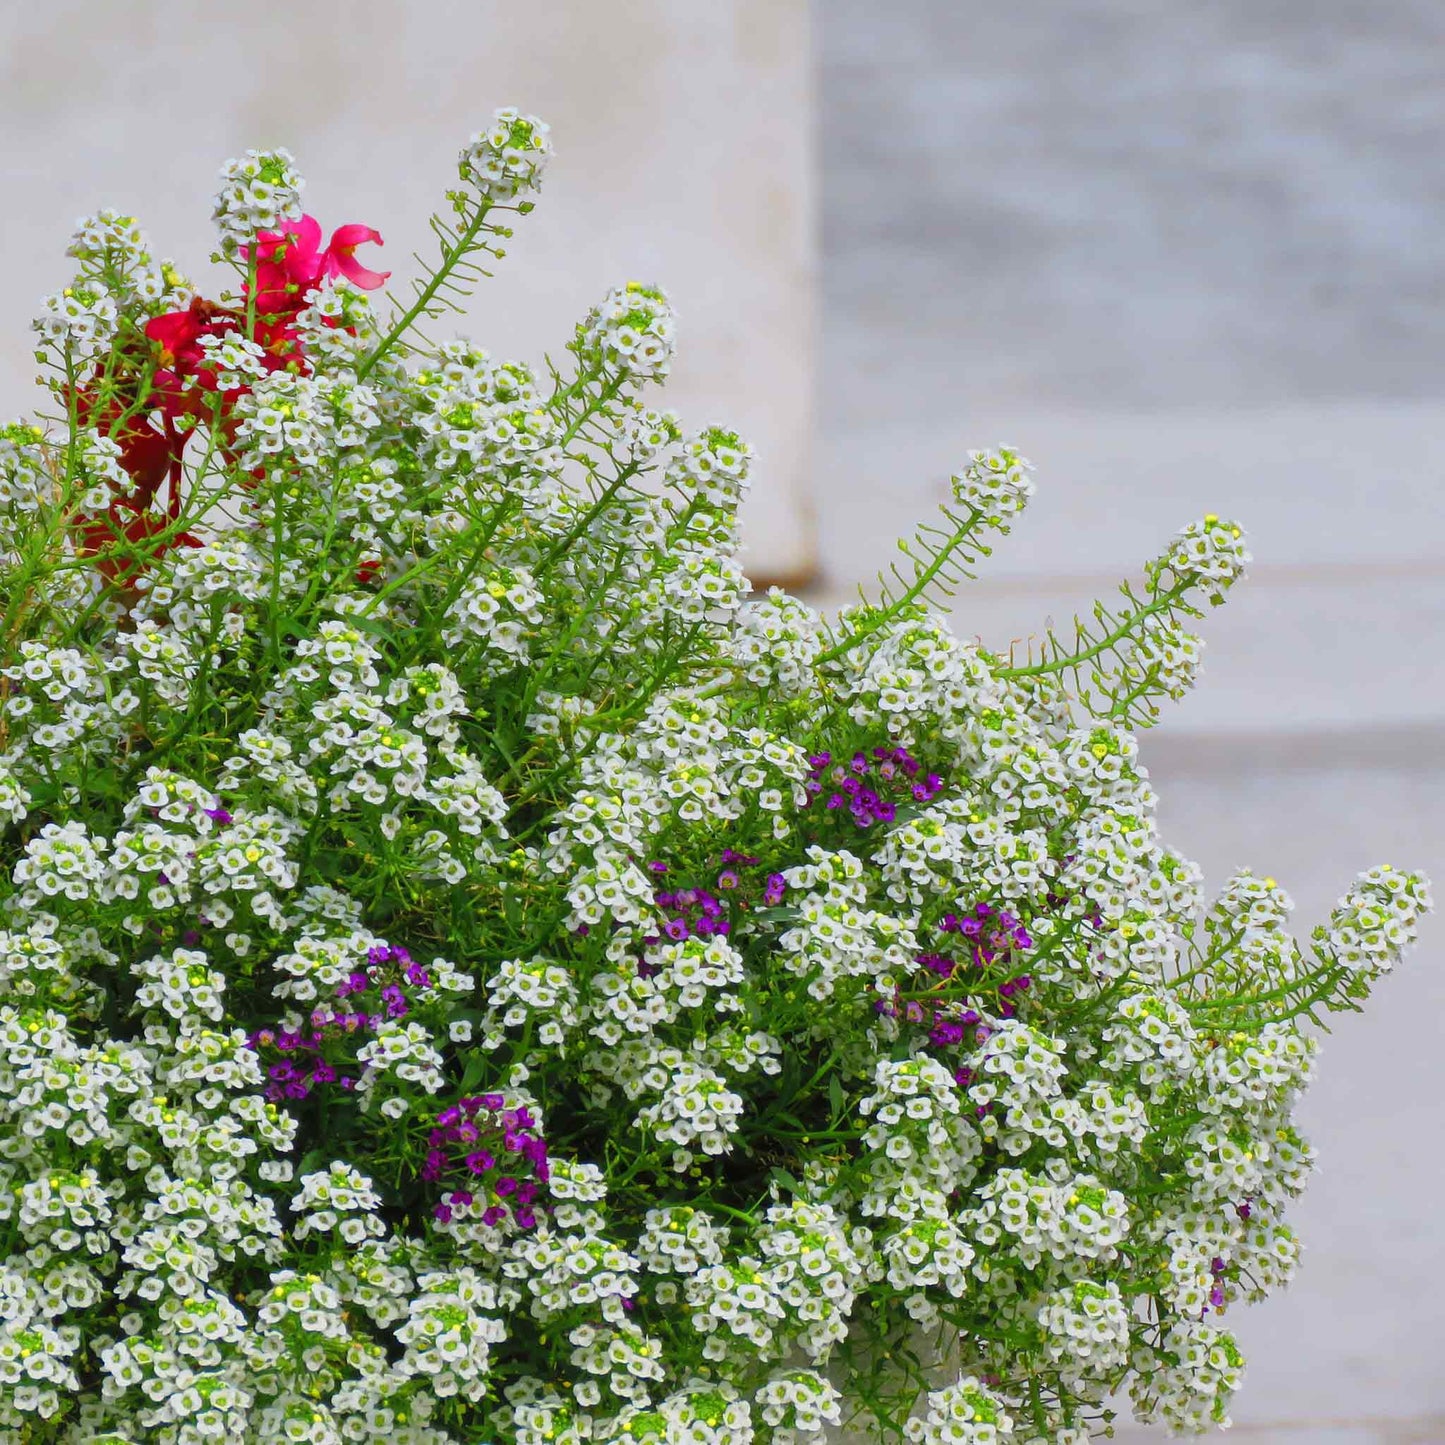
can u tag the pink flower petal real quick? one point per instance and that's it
(340, 256)
(347, 265)
(351, 236)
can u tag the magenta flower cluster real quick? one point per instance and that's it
(1216, 1290)
(387, 969)
(319, 1052)
(871, 787)
(703, 913)
(694, 912)
(323, 1051)
(987, 936)
(496, 1156)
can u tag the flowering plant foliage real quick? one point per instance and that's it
(471, 971)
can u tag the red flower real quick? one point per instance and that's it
(287, 265)
(290, 263)
(341, 259)
(100, 534)
(176, 333)
(159, 398)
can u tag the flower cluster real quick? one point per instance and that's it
(701, 913)
(508, 158)
(473, 1138)
(470, 971)
(258, 191)
(871, 787)
(631, 332)
(301, 1054)
(961, 1414)
(948, 1002)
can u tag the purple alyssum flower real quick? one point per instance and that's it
(489, 1146)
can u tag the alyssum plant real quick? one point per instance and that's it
(470, 972)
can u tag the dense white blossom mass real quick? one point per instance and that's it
(471, 970)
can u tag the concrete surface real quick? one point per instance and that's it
(1124, 204)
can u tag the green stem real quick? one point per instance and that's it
(587, 519)
(1161, 603)
(1206, 964)
(920, 584)
(468, 570)
(252, 268)
(1036, 1407)
(450, 260)
(747, 1219)
(595, 404)
(278, 537)
(1234, 1013)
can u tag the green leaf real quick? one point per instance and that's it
(781, 1176)
(377, 626)
(476, 1067)
(313, 1161)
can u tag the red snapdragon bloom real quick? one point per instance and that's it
(341, 256)
(177, 334)
(151, 417)
(290, 262)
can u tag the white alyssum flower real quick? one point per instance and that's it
(257, 192)
(632, 331)
(507, 159)
(964, 1413)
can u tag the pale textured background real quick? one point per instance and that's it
(1187, 258)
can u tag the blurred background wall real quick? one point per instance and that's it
(1185, 258)
(1188, 258)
